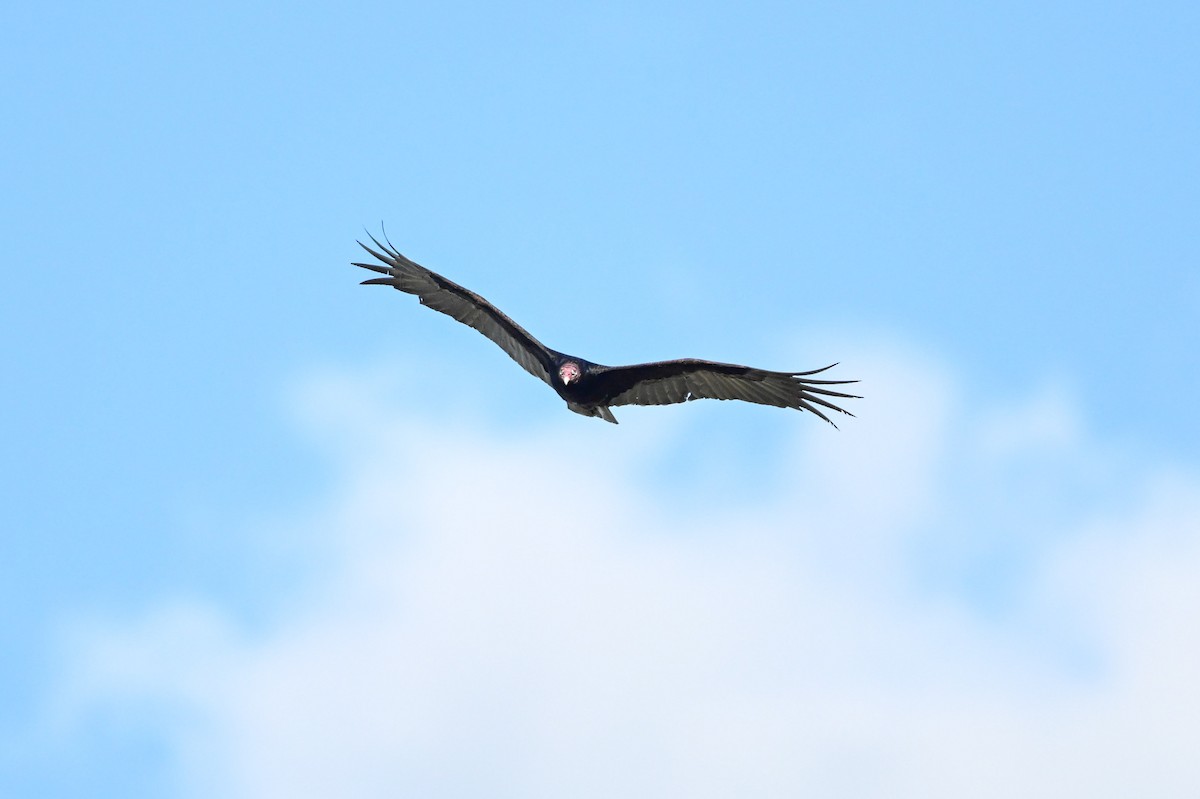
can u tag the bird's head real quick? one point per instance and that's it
(569, 373)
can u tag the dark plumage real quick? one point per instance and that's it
(590, 388)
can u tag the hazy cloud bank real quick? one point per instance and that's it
(534, 616)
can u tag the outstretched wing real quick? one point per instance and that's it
(440, 294)
(668, 382)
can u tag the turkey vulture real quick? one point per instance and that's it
(590, 388)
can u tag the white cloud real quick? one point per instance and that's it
(503, 616)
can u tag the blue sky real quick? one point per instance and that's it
(986, 212)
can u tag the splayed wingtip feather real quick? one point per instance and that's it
(374, 268)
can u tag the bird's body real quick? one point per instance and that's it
(591, 388)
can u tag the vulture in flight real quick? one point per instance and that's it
(590, 388)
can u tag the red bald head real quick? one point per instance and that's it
(569, 373)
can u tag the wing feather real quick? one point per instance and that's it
(669, 382)
(446, 296)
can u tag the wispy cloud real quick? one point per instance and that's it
(529, 617)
